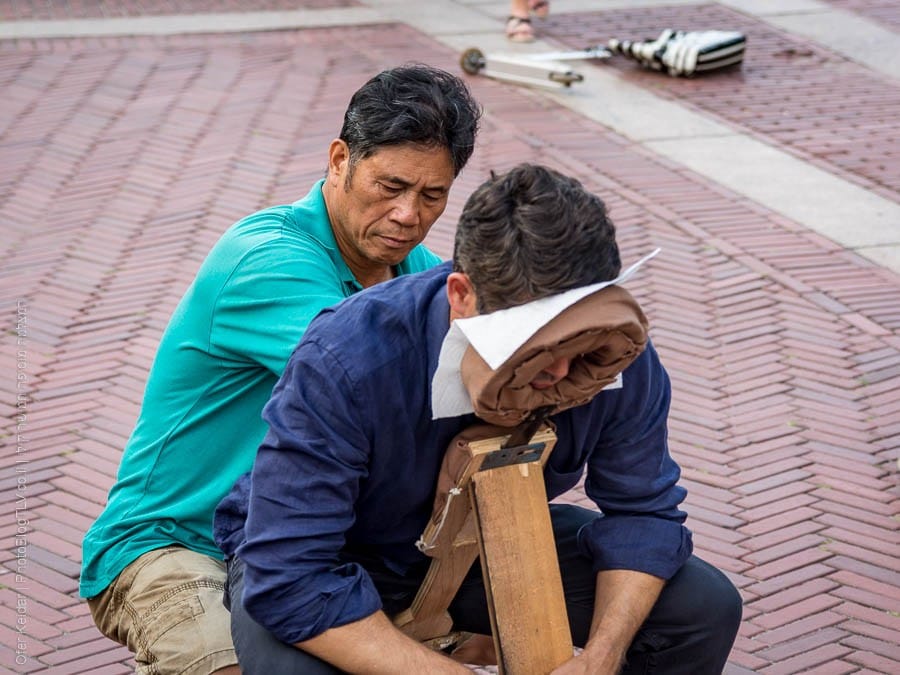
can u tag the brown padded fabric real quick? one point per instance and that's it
(602, 333)
(455, 461)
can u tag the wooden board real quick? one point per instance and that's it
(521, 570)
(454, 544)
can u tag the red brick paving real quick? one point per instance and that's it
(124, 159)
(789, 92)
(33, 10)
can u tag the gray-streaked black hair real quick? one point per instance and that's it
(530, 233)
(416, 104)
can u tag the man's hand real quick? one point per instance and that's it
(622, 602)
(591, 665)
(373, 646)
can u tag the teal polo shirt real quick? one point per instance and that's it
(225, 347)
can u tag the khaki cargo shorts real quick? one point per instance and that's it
(166, 607)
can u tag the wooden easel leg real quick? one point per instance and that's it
(428, 618)
(521, 570)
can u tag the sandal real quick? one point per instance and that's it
(519, 29)
(540, 8)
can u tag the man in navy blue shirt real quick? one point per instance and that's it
(320, 536)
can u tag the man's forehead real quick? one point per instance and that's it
(412, 164)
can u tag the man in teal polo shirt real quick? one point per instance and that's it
(151, 571)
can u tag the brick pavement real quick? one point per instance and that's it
(17, 10)
(124, 159)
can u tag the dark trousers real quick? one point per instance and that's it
(690, 630)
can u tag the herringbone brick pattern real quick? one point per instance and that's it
(124, 159)
(789, 92)
(13, 10)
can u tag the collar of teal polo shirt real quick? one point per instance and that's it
(311, 210)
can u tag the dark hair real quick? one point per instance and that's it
(530, 233)
(412, 104)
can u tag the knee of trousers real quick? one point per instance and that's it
(729, 606)
(718, 605)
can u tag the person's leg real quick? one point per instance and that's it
(518, 8)
(540, 8)
(518, 24)
(692, 627)
(166, 608)
(258, 651)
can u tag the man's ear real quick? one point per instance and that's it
(461, 294)
(338, 162)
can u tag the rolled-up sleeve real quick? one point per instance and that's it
(633, 479)
(303, 488)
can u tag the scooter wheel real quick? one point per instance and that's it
(566, 78)
(472, 60)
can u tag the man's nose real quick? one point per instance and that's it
(559, 368)
(406, 209)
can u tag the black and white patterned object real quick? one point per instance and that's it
(685, 53)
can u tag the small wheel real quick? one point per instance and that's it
(472, 60)
(567, 78)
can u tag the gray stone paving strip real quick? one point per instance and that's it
(843, 212)
(849, 215)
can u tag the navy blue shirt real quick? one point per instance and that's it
(351, 459)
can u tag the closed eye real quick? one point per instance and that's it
(391, 189)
